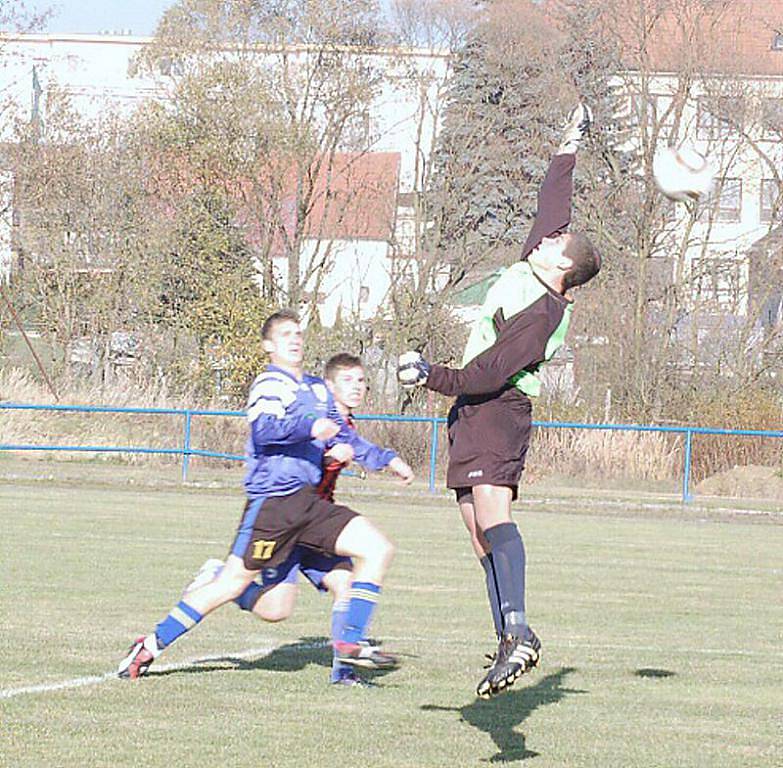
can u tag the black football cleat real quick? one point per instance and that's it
(514, 657)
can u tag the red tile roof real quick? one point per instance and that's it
(356, 197)
(738, 37)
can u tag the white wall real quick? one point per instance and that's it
(95, 71)
(355, 282)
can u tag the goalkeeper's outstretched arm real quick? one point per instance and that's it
(553, 214)
(488, 372)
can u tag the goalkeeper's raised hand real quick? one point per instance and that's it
(412, 370)
(579, 122)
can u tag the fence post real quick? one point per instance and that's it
(186, 448)
(686, 470)
(433, 453)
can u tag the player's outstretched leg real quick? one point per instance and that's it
(210, 570)
(185, 615)
(514, 657)
(144, 650)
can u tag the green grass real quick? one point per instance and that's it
(661, 632)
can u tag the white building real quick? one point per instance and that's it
(722, 92)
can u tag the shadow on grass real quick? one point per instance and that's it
(653, 672)
(500, 715)
(291, 657)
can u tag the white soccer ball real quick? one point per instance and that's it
(683, 174)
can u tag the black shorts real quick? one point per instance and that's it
(488, 441)
(271, 527)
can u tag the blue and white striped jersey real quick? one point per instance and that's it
(281, 455)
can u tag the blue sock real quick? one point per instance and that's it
(339, 615)
(508, 557)
(181, 619)
(364, 596)
(492, 592)
(248, 599)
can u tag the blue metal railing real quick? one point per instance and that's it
(186, 451)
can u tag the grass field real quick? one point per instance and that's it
(661, 631)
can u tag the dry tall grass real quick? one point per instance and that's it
(107, 429)
(580, 454)
(605, 455)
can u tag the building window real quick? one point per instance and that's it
(355, 135)
(663, 113)
(725, 202)
(714, 120)
(717, 280)
(772, 116)
(771, 201)
(777, 41)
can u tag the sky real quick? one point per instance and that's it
(94, 16)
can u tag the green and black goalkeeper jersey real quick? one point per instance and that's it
(522, 322)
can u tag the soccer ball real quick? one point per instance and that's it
(682, 174)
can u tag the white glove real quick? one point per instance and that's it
(412, 370)
(579, 122)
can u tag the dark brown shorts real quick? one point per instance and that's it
(488, 441)
(270, 528)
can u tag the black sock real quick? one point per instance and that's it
(492, 593)
(508, 557)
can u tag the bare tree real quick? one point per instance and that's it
(265, 100)
(80, 232)
(668, 317)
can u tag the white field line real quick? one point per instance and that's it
(80, 682)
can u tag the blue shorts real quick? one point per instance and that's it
(312, 564)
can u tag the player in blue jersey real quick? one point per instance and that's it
(273, 595)
(291, 416)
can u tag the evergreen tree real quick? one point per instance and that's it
(500, 127)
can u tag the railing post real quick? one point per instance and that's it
(686, 470)
(433, 453)
(186, 448)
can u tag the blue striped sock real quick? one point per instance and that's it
(181, 619)
(248, 599)
(339, 614)
(364, 596)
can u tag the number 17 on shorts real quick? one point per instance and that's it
(263, 549)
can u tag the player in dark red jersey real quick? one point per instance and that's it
(273, 596)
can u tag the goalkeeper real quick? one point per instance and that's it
(522, 323)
